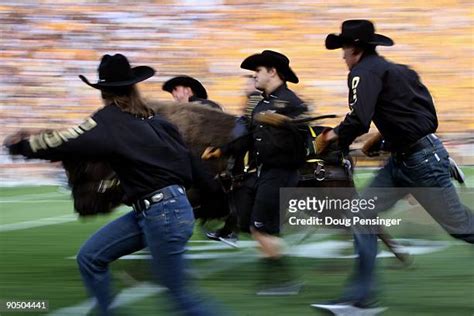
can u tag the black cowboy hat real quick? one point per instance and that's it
(198, 89)
(270, 58)
(115, 71)
(353, 31)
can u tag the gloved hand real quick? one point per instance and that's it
(11, 140)
(16, 137)
(322, 141)
(271, 118)
(211, 153)
(372, 146)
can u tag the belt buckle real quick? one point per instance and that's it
(147, 202)
(320, 172)
(155, 199)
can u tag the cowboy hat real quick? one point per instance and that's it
(357, 31)
(198, 89)
(271, 58)
(115, 71)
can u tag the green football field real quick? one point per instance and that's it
(39, 237)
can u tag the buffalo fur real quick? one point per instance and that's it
(200, 126)
(94, 186)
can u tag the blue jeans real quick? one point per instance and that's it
(165, 229)
(426, 168)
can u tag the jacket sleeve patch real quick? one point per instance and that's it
(52, 139)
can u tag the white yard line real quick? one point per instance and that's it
(125, 297)
(38, 222)
(320, 249)
(34, 201)
(37, 196)
(326, 249)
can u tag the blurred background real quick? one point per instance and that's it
(45, 45)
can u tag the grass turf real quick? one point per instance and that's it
(35, 264)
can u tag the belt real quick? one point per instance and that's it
(321, 172)
(157, 196)
(422, 143)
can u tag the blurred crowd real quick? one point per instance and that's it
(45, 45)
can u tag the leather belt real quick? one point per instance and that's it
(422, 143)
(157, 196)
(322, 173)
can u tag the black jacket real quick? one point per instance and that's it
(393, 97)
(147, 154)
(270, 146)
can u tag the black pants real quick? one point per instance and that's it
(257, 201)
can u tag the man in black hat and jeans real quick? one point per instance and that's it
(393, 97)
(153, 166)
(186, 89)
(276, 153)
